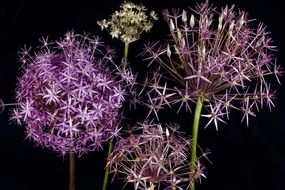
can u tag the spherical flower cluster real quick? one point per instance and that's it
(68, 97)
(128, 23)
(219, 59)
(153, 158)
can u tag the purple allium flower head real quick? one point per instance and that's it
(154, 158)
(68, 97)
(223, 58)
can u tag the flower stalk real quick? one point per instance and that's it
(71, 171)
(107, 170)
(126, 50)
(197, 115)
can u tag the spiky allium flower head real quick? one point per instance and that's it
(154, 158)
(128, 23)
(223, 58)
(68, 97)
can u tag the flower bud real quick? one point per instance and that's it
(179, 35)
(221, 17)
(168, 51)
(171, 25)
(241, 20)
(160, 130)
(203, 51)
(206, 21)
(192, 21)
(220, 26)
(231, 27)
(167, 132)
(183, 43)
(184, 16)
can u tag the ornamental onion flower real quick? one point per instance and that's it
(154, 158)
(128, 23)
(218, 61)
(68, 97)
(221, 59)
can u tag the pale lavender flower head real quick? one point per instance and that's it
(223, 58)
(68, 97)
(155, 158)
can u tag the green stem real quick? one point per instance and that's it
(71, 171)
(126, 50)
(199, 105)
(106, 176)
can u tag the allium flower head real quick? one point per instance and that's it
(128, 23)
(223, 58)
(154, 158)
(67, 97)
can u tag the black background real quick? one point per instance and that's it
(243, 157)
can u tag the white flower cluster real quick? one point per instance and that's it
(128, 23)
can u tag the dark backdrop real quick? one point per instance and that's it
(243, 157)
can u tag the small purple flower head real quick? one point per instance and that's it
(220, 58)
(67, 97)
(154, 158)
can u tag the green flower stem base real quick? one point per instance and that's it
(71, 171)
(199, 105)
